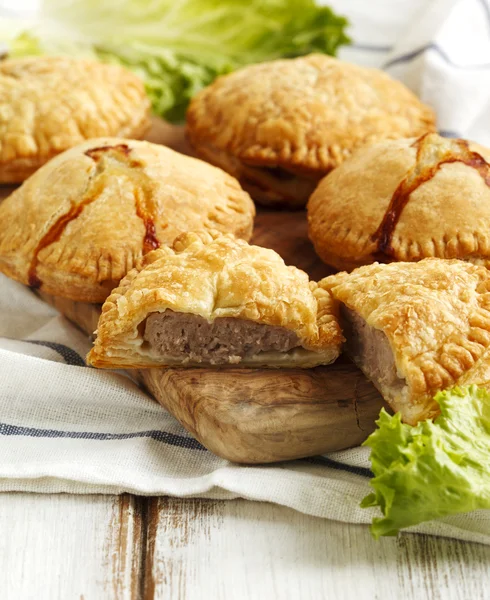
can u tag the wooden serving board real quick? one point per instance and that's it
(259, 415)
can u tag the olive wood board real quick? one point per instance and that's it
(258, 415)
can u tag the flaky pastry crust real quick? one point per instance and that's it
(214, 275)
(83, 220)
(306, 114)
(49, 104)
(404, 200)
(436, 316)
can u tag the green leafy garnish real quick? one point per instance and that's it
(180, 46)
(434, 469)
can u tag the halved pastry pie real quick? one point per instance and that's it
(405, 200)
(82, 221)
(213, 299)
(280, 126)
(416, 328)
(49, 104)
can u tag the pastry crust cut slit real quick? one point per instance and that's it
(404, 200)
(191, 338)
(214, 300)
(79, 224)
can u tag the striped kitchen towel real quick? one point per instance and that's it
(65, 427)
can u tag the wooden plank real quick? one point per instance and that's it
(83, 547)
(238, 549)
(65, 547)
(261, 416)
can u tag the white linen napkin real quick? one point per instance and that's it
(65, 427)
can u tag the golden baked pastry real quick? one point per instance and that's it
(416, 328)
(49, 104)
(280, 126)
(405, 200)
(212, 299)
(83, 220)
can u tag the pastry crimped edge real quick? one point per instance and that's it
(261, 186)
(323, 349)
(40, 136)
(346, 245)
(316, 159)
(459, 360)
(108, 267)
(19, 169)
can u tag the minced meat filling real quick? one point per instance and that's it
(370, 349)
(192, 338)
(284, 181)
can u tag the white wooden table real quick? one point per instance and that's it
(121, 547)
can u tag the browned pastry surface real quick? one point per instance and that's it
(215, 277)
(405, 200)
(83, 220)
(49, 104)
(304, 116)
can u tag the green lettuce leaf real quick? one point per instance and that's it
(178, 47)
(434, 469)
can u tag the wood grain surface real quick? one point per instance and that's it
(62, 547)
(70, 547)
(239, 549)
(259, 415)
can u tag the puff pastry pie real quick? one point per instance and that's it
(416, 328)
(215, 300)
(281, 126)
(49, 104)
(405, 200)
(83, 220)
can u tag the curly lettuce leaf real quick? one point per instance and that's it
(180, 47)
(434, 469)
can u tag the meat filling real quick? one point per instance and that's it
(190, 338)
(267, 183)
(370, 349)
(283, 182)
